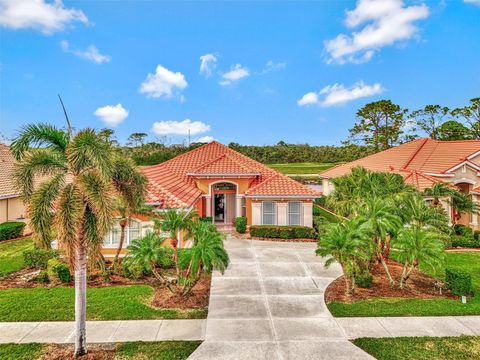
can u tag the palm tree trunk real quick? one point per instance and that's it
(403, 276)
(123, 225)
(348, 291)
(384, 264)
(409, 272)
(80, 297)
(189, 288)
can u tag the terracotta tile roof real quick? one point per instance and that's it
(171, 185)
(281, 185)
(7, 165)
(423, 156)
(421, 181)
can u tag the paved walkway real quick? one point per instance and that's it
(103, 331)
(269, 305)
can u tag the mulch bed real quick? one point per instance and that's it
(197, 299)
(418, 286)
(63, 352)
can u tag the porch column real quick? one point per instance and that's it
(475, 216)
(238, 206)
(448, 209)
(208, 206)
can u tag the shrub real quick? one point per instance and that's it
(317, 211)
(132, 271)
(458, 281)
(282, 232)
(321, 200)
(38, 258)
(463, 230)
(11, 229)
(42, 277)
(476, 234)
(58, 271)
(241, 224)
(465, 241)
(207, 219)
(364, 280)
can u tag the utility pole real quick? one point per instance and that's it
(188, 137)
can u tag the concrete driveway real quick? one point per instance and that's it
(269, 305)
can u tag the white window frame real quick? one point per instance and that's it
(300, 212)
(108, 241)
(274, 212)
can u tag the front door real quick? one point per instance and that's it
(219, 208)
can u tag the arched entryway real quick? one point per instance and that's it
(224, 197)
(464, 218)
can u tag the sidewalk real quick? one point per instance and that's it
(60, 332)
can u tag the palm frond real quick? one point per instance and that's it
(39, 135)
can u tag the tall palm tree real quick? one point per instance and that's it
(416, 246)
(437, 192)
(174, 222)
(379, 217)
(347, 244)
(75, 200)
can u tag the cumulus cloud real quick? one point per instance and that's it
(111, 115)
(272, 66)
(163, 83)
(91, 53)
(338, 94)
(385, 22)
(172, 127)
(208, 63)
(236, 73)
(204, 139)
(47, 17)
(474, 2)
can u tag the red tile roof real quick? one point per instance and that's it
(172, 183)
(419, 180)
(423, 156)
(7, 168)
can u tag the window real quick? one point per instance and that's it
(268, 213)
(244, 206)
(132, 232)
(294, 213)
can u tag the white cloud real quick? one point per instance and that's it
(337, 94)
(111, 115)
(47, 17)
(385, 22)
(91, 53)
(204, 139)
(474, 2)
(272, 66)
(163, 83)
(172, 127)
(208, 63)
(236, 73)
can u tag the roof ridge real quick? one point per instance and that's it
(415, 153)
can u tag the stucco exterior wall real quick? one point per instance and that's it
(12, 209)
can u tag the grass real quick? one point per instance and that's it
(20, 351)
(164, 350)
(11, 257)
(107, 303)
(302, 168)
(467, 261)
(419, 348)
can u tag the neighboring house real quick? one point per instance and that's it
(223, 184)
(12, 207)
(422, 163)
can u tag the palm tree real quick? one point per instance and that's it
(463, 203)
(347, 244)
(206, 254)
(437, 192)
(379, 217)
(418, 246)
(131, 187)
(75, 199)
(175, 221)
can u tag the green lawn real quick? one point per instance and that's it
(302, 168)
(11, 258)
(108, 303)
(468, 261)
(164, 350)
(420, 348)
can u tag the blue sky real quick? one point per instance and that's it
(292, 71)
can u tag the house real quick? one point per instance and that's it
(223, 184)
(422, 163)
(12, 207)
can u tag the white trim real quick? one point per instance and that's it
(464, 180)
(275, 213)
(279, 197)
(300, 213)
(439, 175)
(5, 197)
(467, 163)
(474, 155)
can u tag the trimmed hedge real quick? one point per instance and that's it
(38, 258)
(11, 230)
(459, 282)
(465, 242)
(463, 230)
(282, 232)
(241, 224)
(207, 219)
